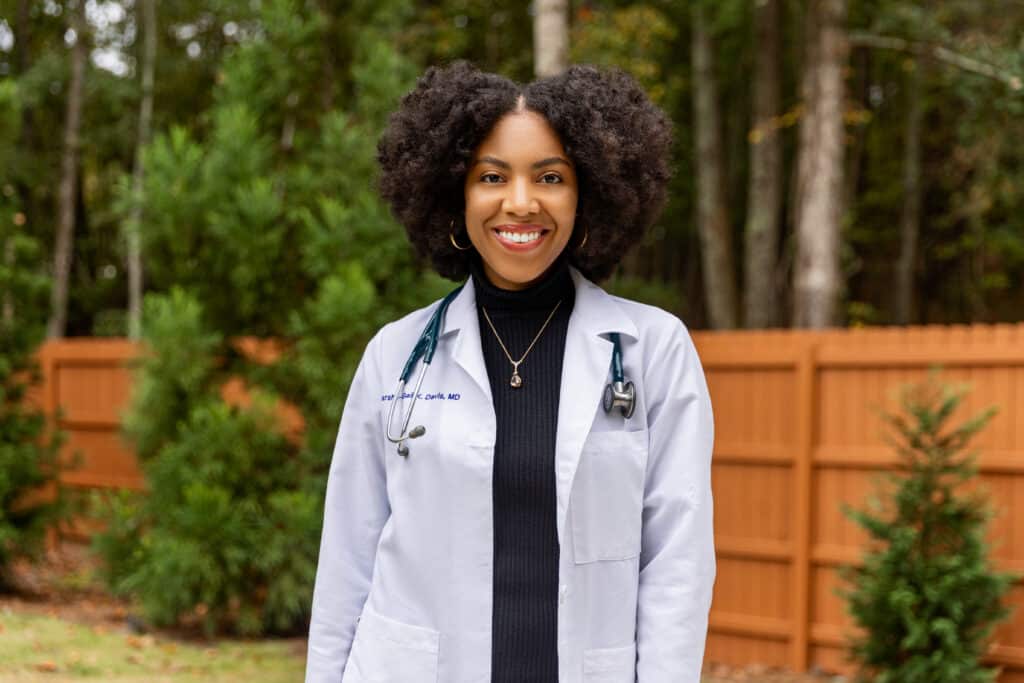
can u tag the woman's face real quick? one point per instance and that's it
(521, 194)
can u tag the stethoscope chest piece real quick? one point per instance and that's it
(622, 396)
(619, 393)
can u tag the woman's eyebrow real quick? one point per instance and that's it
(494, 161)
(550, 161)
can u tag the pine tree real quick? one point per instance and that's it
(926, 596)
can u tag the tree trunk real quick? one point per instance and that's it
(816, 274)
(712, 213)
(56, 327)
(7, 314)
(910, 219)
(147, 11)
(765, 189)
(23, 189)
(22, 40)
(550, 37)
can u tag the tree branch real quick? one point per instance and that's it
(938, 52)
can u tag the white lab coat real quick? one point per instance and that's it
(403, 586)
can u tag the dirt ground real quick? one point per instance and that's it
(66, 587)
(720, 673)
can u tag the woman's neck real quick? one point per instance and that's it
(543, 293)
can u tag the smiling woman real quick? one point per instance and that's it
(527, 536)
(614, 141)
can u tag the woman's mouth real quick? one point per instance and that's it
(520, 238)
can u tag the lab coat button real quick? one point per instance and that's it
(563, 590)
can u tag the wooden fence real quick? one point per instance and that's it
(797, 435)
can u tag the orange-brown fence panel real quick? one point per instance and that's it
(797, 434)
(86, 385)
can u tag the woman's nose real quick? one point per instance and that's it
(519, 199)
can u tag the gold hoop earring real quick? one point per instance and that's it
(586, 234)
(451, 238)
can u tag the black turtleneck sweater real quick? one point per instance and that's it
(524, 625)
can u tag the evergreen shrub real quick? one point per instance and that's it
(28, 449)
(926, 597)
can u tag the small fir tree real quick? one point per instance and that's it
(926, 597)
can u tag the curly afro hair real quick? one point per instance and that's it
(617, 138)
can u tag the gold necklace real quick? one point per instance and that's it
(516, 380)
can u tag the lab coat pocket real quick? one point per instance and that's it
(388, 651)
(610, 665)
(607, 496)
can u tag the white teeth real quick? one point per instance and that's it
(519, 237)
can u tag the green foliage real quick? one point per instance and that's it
(226, 537)
(926, 596)
(176, 370)
(28, 451)
(636, 39)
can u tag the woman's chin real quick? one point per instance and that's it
(519, 275)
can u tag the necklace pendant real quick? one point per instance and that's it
(517, 381)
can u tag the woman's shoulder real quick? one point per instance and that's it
(651, 318)
(406, 330)
(413, 321)
(651, 322)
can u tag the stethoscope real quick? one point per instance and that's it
(617, 394)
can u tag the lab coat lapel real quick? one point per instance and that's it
(585, 372)
(467, 352)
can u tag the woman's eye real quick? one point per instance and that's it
(490, 178)
(550, 178)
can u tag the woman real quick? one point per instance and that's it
(528, 535)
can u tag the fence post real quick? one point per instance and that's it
(806, 377)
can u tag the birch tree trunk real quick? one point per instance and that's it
(910, 219)
(816, 273)
(712, 213)
(147, 10)
(550, 37)
(765, 189)
(57, 324)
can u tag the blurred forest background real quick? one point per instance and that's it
(839, 162)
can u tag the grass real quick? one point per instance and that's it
(37, 648)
